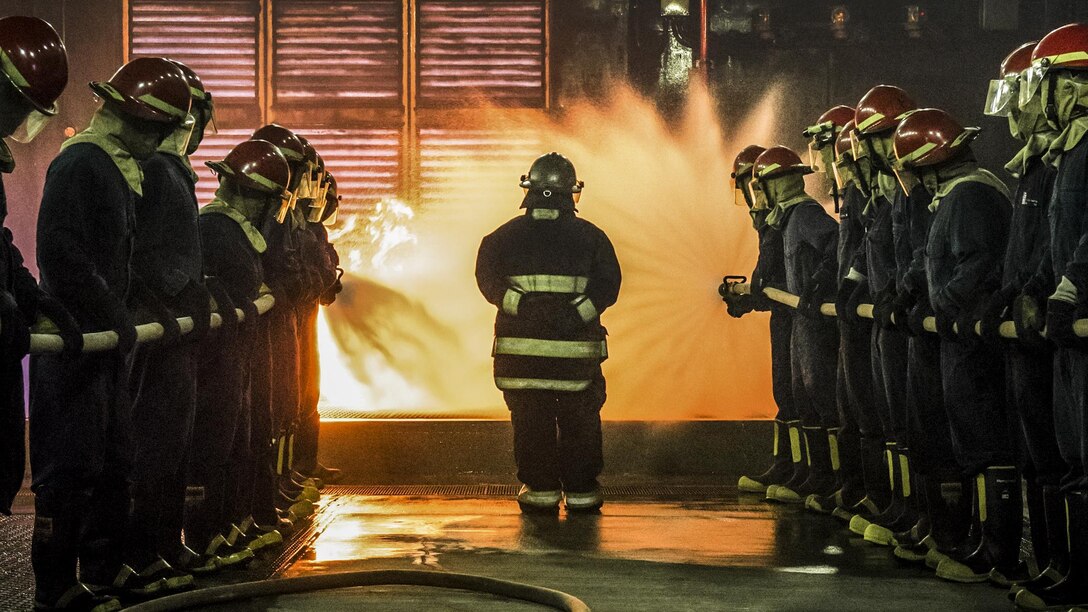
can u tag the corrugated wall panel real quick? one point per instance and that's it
(217, 39)
(481, 48)
(365, 161)
(453, 163)
(337, 51)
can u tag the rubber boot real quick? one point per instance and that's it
(205, 505)
(539, 502)
(877, 491)
(1072, 590)
(1056, 547)
(882, 530)
(911, 545)
(1001, 516)
(79, 598)
(826, 503)
(1037, 528)
(817, 474)
(54, 547)
(950, 519)
(780, 469)
(858, 524)
(799, 462)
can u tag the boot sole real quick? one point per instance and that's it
(948, 570)
(908, 555)
(881, 536)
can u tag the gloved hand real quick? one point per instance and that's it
(67, 327)
(1029, 318)
(992, 313)
(224, 306)
(538, 308)
(812, 294)
(945, 325)
(196, 301)
(1060, 316)
(568, 321)
(847, 287)
(883, 308)
(738, 305)
(330, 293)
(14, 330)
(965, 325)
(145, 297)
(916, 319)
(249, 312)
(122, 323)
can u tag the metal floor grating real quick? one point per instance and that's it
(16, 575)
(508, 490)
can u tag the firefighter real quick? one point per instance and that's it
(28, 92)
(770, 271)
(81, 458)
(854, 392)
(1058, 73)
(253, 180)
(962, 262)
(854, 178)
(167, 255)
(809, 242)
(551, 275)
(1029, 362)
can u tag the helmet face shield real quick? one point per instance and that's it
(759, 198)
(1002, 96)
(906, 178)
(29, 129)
(844, 173)
(287, 204)
(1031, 80)
(815, 158)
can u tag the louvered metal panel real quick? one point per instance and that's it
(214, 147)
(481, 49)
(453, 163)
(217, 39)
(337, 52)
(365, 161)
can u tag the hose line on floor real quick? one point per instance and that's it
(201, 598)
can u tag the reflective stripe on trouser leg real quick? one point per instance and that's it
(833, 442)
(774, 445)
(889, 457)
(904, 472)
(795, 442)
(980, 488)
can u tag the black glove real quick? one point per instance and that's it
(330, 293)
(249, 311)
(14, 330)
(568, 320)
(965, 326)
(945, 323)
(738, 305)
(1060, 316)
(224, 306)
(884, 307)
(68, 328)
(842, 301)
(158, 311)
(538, 308)
(992, 313)
(916, 319)
(122, 323)
(813, 292)
(196, 301)
(1029, 317)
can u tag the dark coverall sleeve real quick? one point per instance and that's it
(603, 288)
(23, 285)
(62, 231)
(155, 266)
(489, 278)
(977, 237)
(1077, 268)
(823, 237)
(227, 259)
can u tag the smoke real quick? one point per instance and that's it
(411, 332)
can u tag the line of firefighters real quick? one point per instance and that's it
(212, 431)
(925, 443)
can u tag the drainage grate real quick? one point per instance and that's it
(16, 575)
(507, 490)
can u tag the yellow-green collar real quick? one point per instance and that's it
(778, 213)
(1037, 145)
(1069, 138)
(220, 207)
(977, 175)
(103, 134)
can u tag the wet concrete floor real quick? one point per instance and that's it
(638, 554)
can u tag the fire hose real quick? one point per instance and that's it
(96, 342)
(203, 598)
(1007, 329)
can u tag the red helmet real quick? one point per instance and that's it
(843, 144)
(1019, 60)
(881, 109)
(309, 153)
(746, 159)
(33, 58)
(929, 137)
(149, 88)
(257, 165)
(779, 161)
(196, 86)
(829, 124)
(289, 144)
(1066, 47)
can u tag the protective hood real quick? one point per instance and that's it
(242, 210)
(941, 182)
(110, 133)
(556, 201)
(783, 193)
(1070, 98)
(297, 218)
(1069, 138)
(1036, 146)
(177, 145)
(7, 160)
(759, 218)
